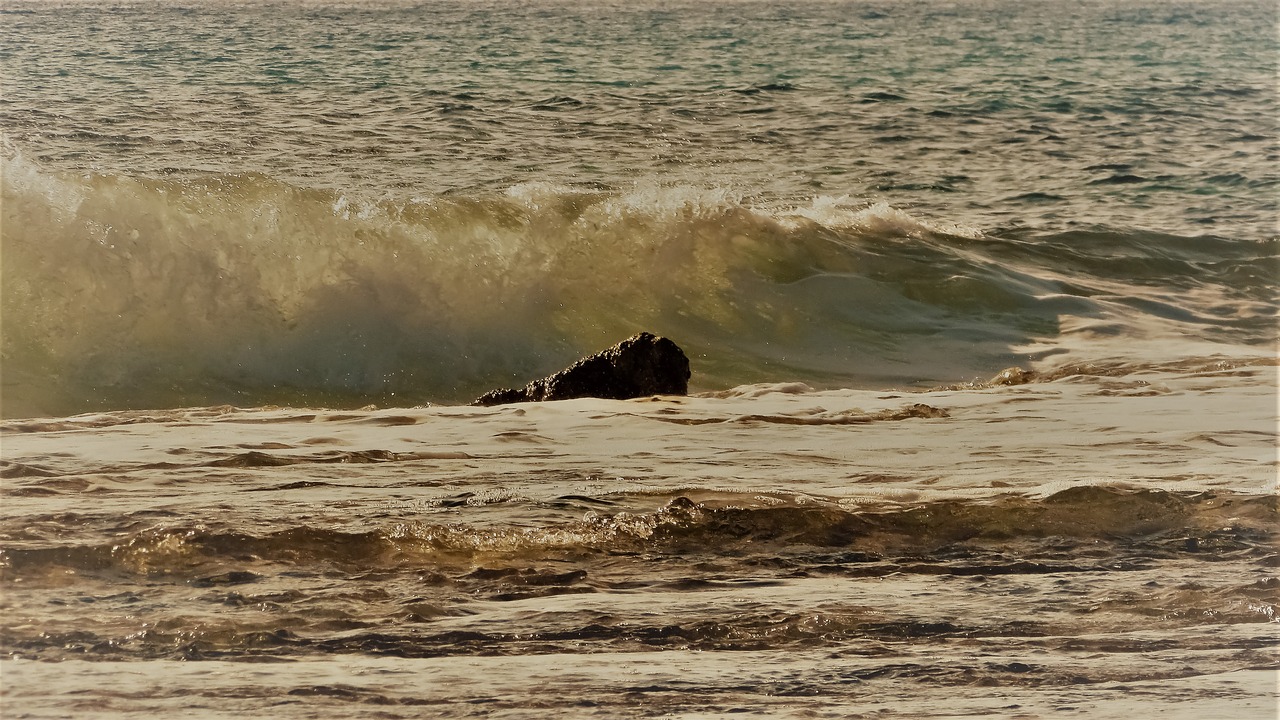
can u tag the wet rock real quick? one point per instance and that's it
(638, 366)
(1014, 376)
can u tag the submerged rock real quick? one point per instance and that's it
(641, 365)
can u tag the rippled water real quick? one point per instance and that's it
(1159, 115)
(772, 549)
(979, 298)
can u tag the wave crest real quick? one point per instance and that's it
(130, 292)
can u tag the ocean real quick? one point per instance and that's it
(980, 300)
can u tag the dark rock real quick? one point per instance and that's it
(638, 366)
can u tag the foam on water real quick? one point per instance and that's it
(838, 547)
(867, 211)
(135, 292)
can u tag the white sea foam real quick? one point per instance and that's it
(880, 218)
(711, 530)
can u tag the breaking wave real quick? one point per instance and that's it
(133, 292)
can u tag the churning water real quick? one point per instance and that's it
(851, 215)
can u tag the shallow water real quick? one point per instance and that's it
(256, 255)
(770, 549)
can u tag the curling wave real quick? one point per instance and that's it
(132, 292)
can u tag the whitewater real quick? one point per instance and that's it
(979, 300)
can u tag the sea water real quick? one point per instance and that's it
(257, 256)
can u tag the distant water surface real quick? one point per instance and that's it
(1151, 115)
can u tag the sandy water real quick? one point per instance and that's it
(774, 550)
(229, 228)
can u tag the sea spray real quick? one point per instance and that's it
(127, 291)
